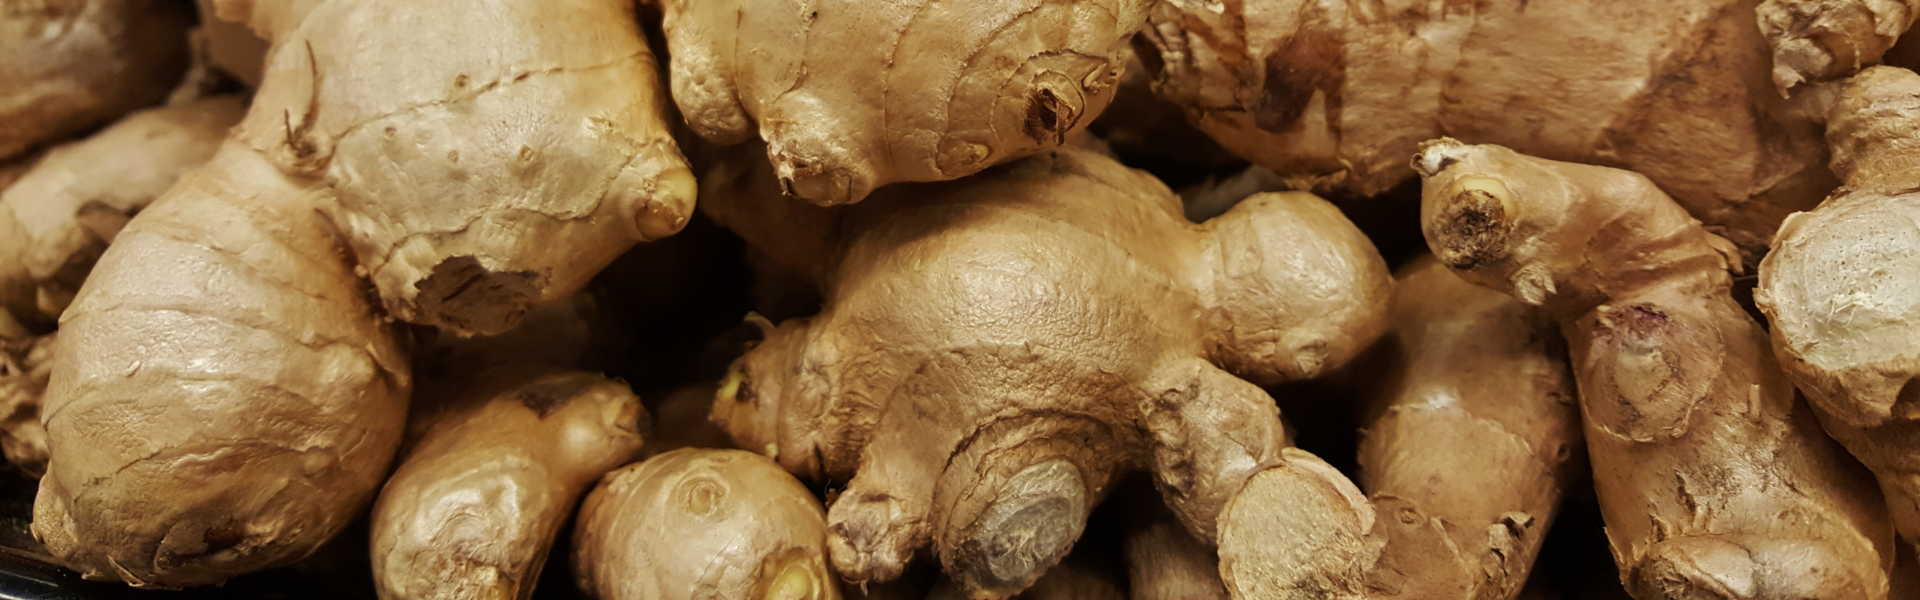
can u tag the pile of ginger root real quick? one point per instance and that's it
(913, 299)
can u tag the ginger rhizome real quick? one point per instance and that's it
(67, 66)
(511, 434)
(1824, 40)
(61, 214)
(25, 366)
(1334, 95)
(1838, 287)
(851, 96)
(1713, 478)
(700, 523)
(1472, 435)
(229, 388)
(994, 352)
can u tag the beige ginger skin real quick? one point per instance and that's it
(1823, 40)
(851, 95)
(230, 389)
(995, 351)
(1333, 94)
(1837, 287)
(1714, 480)
(67, 66)
(1471, 437)
(474, 506)
(61, 214)
(699, 523)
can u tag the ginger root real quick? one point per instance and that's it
(851, 96)
(1333, 95)
(1713, 478)
(1846, 319)
(698, 523)
(230, 388)
(61, 214)
(995, 351)
(1824, 40)
(67, 66)
(25, 366)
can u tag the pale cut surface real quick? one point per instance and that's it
(200, 436)
(851, 95)
(995, 350)
(64, 211)
(1842, 287)
(1334, 95)
(67, 66)
(699, 523)
(1714, 479)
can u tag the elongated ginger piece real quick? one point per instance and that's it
(1333, 94)
(67, 66)
(851, 95)
(62, 213)
(1838, 288)
(1713, 478)
(475, 504)
(225, 396)
(1824, 40)
(25, 367)
(701, 523)
(995, 351)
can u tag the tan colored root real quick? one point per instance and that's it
(1163, 560)
(699, 523)
(1837, 288)
(200, 436)
(1713, 479)
(824, 85)
(474, 506)
(986, 363)
(64, 211)
(25, 367)
(230, 46)
(1333, 95)
(1823, 40)
(67, 66)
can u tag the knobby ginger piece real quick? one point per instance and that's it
(994, 351)
(64, 211)
(1823, 40)
(1471, 437)
(1839, 287)
(475, 504)
(25, 367)
(230, 386)
(1713, 478)
(1333, 95)
(699, 523)
(67, 66)
(852, 95)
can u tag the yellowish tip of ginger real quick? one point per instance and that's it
(795, 581)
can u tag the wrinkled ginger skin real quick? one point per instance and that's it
(499, 171)
(70, 65)
(1333, 94)
(57, 219)
(994, 351)
(200, 436)
(1823, 40)
(475, 504)
(25, 367)
(1713, 479)
(852, 95)
(698, 523)
(1838, 287)
(1471, 439)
